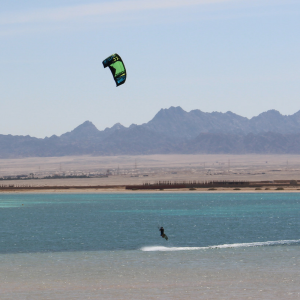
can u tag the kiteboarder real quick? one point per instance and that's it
(162, 233)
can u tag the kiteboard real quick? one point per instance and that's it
(165, 237)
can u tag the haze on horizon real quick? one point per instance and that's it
(213, 55)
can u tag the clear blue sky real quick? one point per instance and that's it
(212, 55)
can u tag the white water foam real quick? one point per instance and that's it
(240, 245)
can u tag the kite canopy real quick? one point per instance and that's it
(116, 65)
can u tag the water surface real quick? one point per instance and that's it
(107, 246)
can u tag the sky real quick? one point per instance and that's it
(213, 55)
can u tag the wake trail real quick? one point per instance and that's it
(224, 246)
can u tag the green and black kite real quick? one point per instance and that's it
(116, 65)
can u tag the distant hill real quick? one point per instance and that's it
(178, 123)
(171, 130)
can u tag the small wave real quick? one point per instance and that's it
(240, 245)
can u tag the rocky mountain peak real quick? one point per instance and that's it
(83, 131)
(86, 126)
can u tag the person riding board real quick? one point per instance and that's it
(162, 233)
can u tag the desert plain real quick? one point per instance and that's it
(115, 172)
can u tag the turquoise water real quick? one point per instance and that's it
(93, 222)
(107, 246)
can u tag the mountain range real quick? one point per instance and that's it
(172, 130)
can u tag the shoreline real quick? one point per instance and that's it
(87, 190)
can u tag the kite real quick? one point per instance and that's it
(116, 65)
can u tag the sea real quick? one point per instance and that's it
(108, 246)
